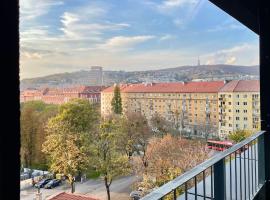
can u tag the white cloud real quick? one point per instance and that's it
(243, 54)
(230, 60)
(29, 55)
(166, 37)
(180, 11)
(78, 25)
(30, 9)
(122, 42)
(230, 24)
(172, 4)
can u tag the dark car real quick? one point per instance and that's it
(42, 183)
(53, 183)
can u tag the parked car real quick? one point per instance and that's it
(25, 176)
(42, 183)
(35, 173)
(136, 195)
(53, 183)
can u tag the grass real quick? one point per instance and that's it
(92, 174)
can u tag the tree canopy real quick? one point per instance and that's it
(239, 135)
(68, 136)
(34, 115)
(109, 161)
(117, 101)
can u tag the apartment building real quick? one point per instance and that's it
(62, 95)
(239, 107)
(191, 105)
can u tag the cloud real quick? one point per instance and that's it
(181, 12)
(174, 4)
(230, 60)
(123, 42)
(82, 26)
(31, 9)
(29, 55)
(166, 37)
(243, 54)
(230, 24)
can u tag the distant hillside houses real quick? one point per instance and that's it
(62, 95)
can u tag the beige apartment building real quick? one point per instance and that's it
(239, 107)
(191, 106)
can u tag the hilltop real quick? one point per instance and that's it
(181, 73)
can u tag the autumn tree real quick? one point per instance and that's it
(135, 134)
(109, 161)
(160, 125)
(34, 115)
(168, 157)
(117, 101)
(68, 136)
(239, 135)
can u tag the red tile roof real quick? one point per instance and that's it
(241, 86)
(68, 196)
(178, 87)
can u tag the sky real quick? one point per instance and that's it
(59, 36)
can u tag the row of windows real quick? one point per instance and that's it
(255, 96)
(238, 118)
(171, 94)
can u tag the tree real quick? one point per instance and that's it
(69, 134)
(160, 125)
(117, 101)
(109, 161)
(239, 135)
(168, 157)
(135, 134)
(34, 115)
(28, 136)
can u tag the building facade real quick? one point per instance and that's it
(62, 95)
(213, 108)
(96, 76)
(239, 107)
(191, 106)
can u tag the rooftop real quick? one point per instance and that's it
(242, 86)
(178, 87)
(68, 196)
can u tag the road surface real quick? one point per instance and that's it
(120, 189)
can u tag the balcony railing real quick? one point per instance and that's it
(237, 173)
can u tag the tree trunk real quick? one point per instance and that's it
(107, 188)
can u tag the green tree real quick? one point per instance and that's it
(117, 101)
(34, 115)
(28, 136)
(239, 135)
(109, 161)
(69, 135)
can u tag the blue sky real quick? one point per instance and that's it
(69, 35)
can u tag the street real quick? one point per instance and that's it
(120, 189)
